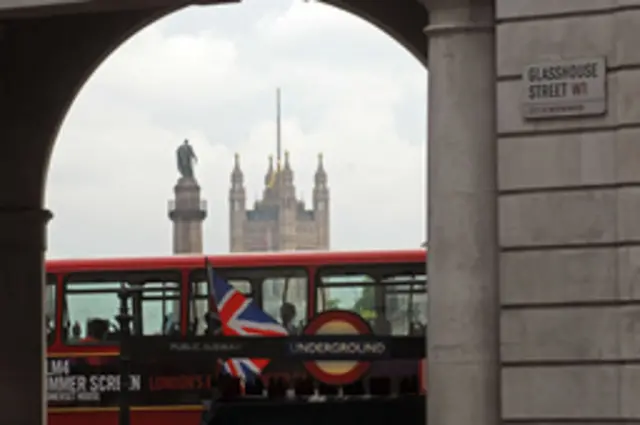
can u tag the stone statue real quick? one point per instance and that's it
(186, 158)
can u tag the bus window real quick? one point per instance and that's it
(392, 298)
(160, 303)
(351, 292)
(50, 308)
(284, 298)
(91, 305)
(269, 288)
(406, 301)
(200, 300)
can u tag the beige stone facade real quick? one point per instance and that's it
(279, 221)
(568, 202)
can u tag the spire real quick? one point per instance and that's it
(287, 172)
(237, 177)
(270, 177)
(287, 165)
(273, 176)
(321, 174)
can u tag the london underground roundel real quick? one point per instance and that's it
(337, 322)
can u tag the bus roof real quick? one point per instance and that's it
(262, 259)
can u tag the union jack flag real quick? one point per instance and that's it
(240, 316)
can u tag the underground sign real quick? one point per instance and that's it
(337, 322)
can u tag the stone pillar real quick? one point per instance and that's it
(463, 285)
(22, 378)
(188, 211)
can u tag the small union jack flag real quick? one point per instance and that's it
(240, 316)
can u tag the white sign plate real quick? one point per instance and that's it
(568, 88)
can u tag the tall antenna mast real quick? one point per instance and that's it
(278, 131)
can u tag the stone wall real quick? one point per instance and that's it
(569, 220)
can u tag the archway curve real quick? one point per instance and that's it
(404, 26)
(45, 63)
(271, 42)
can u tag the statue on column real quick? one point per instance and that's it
(186, 158)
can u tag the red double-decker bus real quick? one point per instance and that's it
(170, 296)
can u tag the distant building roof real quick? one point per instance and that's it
(263, 213)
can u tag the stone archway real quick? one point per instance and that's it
(45, 60)
(74, 46)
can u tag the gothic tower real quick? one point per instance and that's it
(321, 205)
(237, 208)
(288, 208)
(279, 221)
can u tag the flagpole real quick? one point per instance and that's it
(278, 131)
(212, 301)
(209, 269)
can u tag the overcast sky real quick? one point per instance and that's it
(210, 74)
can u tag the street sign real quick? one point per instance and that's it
(567, 88)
